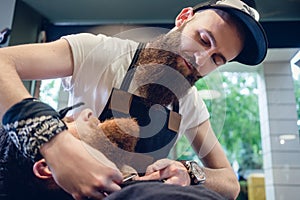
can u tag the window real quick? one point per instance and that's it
(295, 65)
(232, 100)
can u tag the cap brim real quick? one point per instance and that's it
(255, 44)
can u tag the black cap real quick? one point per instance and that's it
(255, 44)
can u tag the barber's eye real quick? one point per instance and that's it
(204, 39)
(218, 60)
(206, 42)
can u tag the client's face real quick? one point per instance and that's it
(121, 133)
(85, 124)
(110, 142)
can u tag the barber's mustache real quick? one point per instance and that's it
(190, 60)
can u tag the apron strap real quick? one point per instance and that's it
(175, 106)
(131, 70)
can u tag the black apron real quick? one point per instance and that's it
(158, 124)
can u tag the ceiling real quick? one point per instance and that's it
(280, 18)
(91, 12)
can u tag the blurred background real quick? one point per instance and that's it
(254, 110)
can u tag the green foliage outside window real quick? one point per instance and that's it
(49, 92)
(297, 95)
(234, 118)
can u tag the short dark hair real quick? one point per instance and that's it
(19, 182)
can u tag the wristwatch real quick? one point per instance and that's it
(196, 173)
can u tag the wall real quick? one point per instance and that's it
(278, 117)
(6, 15)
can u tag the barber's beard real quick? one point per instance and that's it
(161, 79)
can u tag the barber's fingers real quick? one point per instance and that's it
(99, 184)
(171, 172)
(179, 178)
(159, 165)
(175, 181)
(169, 176)
(152, 176)
(175, 174)
(112, 186)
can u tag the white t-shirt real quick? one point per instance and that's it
(101, 62)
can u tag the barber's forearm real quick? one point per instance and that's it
(222, 181)
(12, 89)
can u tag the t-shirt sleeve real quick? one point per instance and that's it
(81, 45)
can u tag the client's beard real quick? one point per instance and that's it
(158, 75)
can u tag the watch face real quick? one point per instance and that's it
(198, 172)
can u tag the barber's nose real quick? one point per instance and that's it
(201, 57)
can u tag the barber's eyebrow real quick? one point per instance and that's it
(214, 43)
(213, 40)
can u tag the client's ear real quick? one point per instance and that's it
(41, 169)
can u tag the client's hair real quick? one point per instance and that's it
(16, 174)
(18, 180)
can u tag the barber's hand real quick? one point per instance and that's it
(173, 172)
(78, 172)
